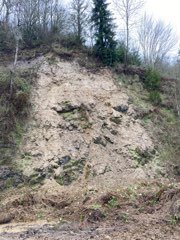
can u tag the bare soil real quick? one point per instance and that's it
(92, 165)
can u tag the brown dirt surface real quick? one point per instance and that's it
(90, 164)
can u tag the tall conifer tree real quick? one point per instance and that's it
(105, 43)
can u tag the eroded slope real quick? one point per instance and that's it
(90, 164)
(83, 128)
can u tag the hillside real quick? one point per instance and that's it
(88, 164)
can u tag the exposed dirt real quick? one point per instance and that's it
(86, 118)
(91, 164)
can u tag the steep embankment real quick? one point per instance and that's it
(82, 122)
(88, 159)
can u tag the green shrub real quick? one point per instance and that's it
(152, 80)
(155, 97)
(21, 85)
(133, 55)
(13, 108)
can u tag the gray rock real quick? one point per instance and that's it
(37, 178)
(108, 139)
(116, 120)
(100, 140)
(121, 108)
(5, 173)
(70, 128)
(9, 178)
(5, 218)
(175, 209)
(114, 132)
(177, 170)
(64, 160)
(65, 107)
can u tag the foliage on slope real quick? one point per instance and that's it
(14, 108)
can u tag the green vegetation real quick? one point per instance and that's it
(124, 217)
(133, 57)
(40, 215)
(152, 79)
(174, 220)
(71, 172)
(113, 202)
(155, 97)
(14, 108)
(131, 192)
(77, 117)
(160, 119)
(36, 178)
(6, 39)
(96, 206)
(141, 157)
(152, 84)
(105, 44)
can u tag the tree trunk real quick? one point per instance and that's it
(127, 41)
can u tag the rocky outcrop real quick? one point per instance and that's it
(82, 119)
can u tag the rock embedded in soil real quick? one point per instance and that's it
(64, 160)
(100, 140)
(175, 210)
(121, 108)
(9, 178)
(5, 218)
(116, 120)
(5, 172)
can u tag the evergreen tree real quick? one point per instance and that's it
(105, 44)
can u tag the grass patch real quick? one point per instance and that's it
(141, 157)
(113, 202)
(96, 206)
(174, 220)
(155, 98)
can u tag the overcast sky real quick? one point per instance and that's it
(167, 10)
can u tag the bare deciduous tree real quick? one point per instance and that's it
(8, 5)
(156, 40)
(79, 17)
(128, 11)
(18, 37)
(58, 17)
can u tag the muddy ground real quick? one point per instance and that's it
(113, 231)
